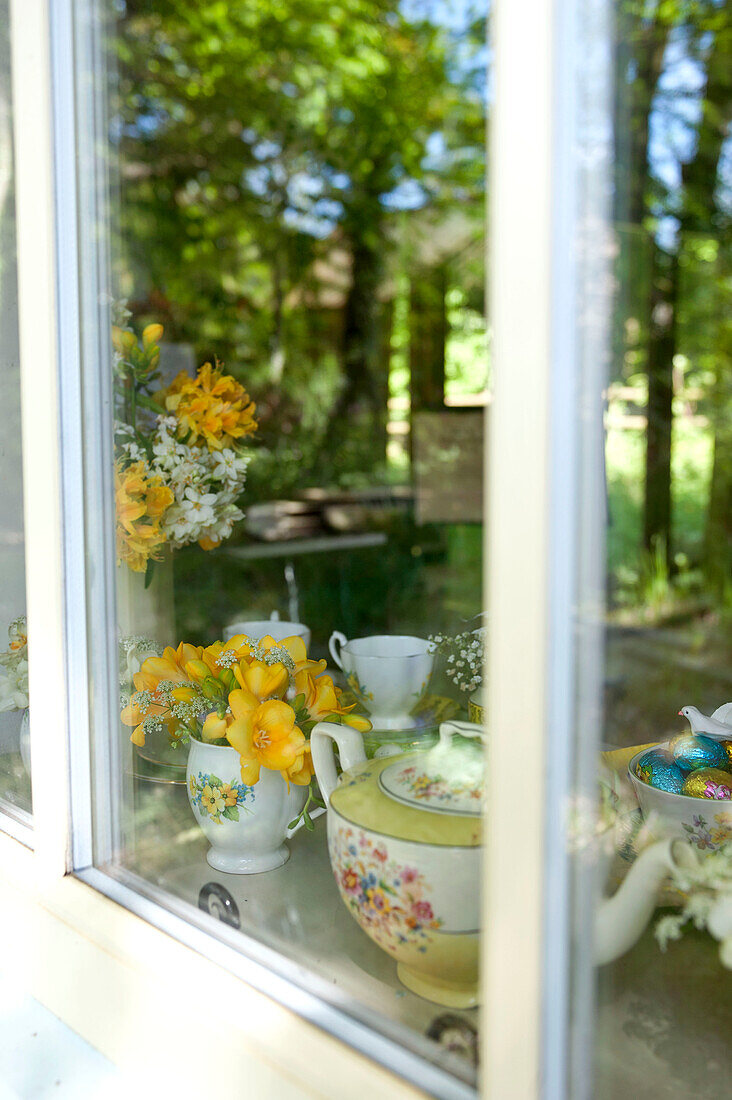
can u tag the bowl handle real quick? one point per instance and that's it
(350, 750)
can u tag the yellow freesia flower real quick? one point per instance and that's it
(141, 501)
(214, 728)
(154, 671)
(295, 646)
(171, 666)
(220, 657)
(212, 407)
(301, 772)
(265, 736)
(151, 335)
(323, 698)
(263, 681)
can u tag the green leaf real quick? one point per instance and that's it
(214, 781)
(148, 403)
(149, 572)
(231, 813)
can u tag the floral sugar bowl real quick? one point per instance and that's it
(404, 835)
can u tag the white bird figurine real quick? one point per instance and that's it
(718, 727)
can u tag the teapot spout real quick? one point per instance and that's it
(621, 919)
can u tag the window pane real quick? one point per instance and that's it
(15, 790)
(298, 361)
(669, 472)
(653, 617)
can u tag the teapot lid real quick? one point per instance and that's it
(447, 779)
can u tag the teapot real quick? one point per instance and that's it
(404, 835)
(404, 840)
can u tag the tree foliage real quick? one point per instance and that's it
(268, 151)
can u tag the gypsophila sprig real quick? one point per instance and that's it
(464, 657)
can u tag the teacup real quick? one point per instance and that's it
(276, 628)
(388, 673)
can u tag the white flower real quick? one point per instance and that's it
(225, 468)
(14, 687)
(205, 485)
(719, 921)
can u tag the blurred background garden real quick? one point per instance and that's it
(303, 196)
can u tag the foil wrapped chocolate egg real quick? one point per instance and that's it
(692, 751)
(657, 768)
(727, 746)
(708, 783)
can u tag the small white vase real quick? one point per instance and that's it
(246, 825)
(148, 611)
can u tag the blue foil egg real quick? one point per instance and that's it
(657, 768)
(692, 751)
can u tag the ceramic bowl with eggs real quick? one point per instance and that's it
(684, 787)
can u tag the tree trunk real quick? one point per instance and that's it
(698, 189)
(427, 338)
(661, 350)
(718, 533)
(704, 213)
(358, 419)
(639, 64)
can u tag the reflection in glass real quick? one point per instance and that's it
(666, 619)
(15, 792)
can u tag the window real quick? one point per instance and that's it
(277, 386)
(15, 790)
(283, 315)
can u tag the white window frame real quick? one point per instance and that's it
(83, 940)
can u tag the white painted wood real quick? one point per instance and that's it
(37, 315)
(150, 1003)
(519, 265)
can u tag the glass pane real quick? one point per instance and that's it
(15, 788)
(669, 471)
(298, 360)
(654, 685)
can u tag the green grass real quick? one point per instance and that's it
(691, 462)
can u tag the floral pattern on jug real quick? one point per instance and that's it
(215, 799)
(704, 836)
(387, 899)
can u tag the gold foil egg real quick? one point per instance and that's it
(727, 746)
(708, 783)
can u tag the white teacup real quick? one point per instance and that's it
(276, 628)
(388, 672)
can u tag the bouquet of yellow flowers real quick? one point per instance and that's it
(261, 697)
(181, 462)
